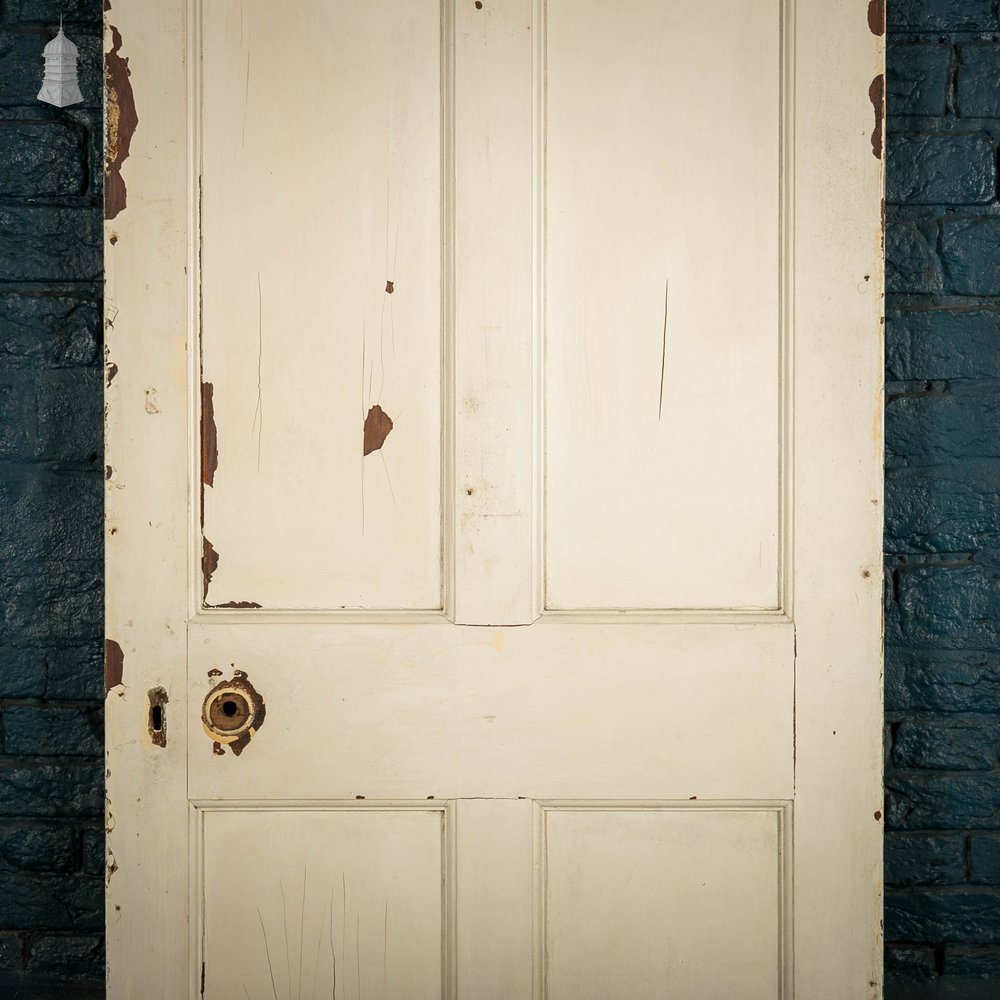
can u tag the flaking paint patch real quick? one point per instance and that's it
(122, 122)
(377, 426)
(876, 94)
(209, 564)
(238, 605)
(209, 435)
(114, 665)
(876, 17)
(110, 371)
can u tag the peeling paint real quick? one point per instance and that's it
(110, 867)
(209, 564)
(114, 665)
(152, 405)
(113, 239)
(158, 716)
(876, 94)
(110, 371)
(122, 122)
(389, 287)
(876, 17)
(377, 427)
(238, 604)
(209, 435)
(232, 714)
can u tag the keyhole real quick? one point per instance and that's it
(156, 718)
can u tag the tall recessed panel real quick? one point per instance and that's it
(662, 304)
(320, 291)
(652, 903)
(322, 903)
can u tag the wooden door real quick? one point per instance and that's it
(493, 499)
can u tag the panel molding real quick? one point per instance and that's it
(200, 809)
(782, 809)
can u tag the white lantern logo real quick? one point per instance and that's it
(60, 87)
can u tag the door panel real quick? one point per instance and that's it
(320, 296)
(662, 289)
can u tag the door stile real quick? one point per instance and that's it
(146, 503)
(494, 423)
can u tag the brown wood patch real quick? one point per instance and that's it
(122, 123)
(377, 427)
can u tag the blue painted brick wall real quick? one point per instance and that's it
(942, 867)
(51, 794)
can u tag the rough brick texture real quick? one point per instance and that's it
(51, 770)
(942, 513)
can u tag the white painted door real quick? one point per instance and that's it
(493, 512)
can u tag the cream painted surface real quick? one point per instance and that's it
(312, 897)
(304, 221)
(662, 166)
(675, 792)
(703, 889)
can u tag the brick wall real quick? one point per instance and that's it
(51, 797)
(943, 501)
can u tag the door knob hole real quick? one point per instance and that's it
(229, 708)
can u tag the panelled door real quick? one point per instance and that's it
(493, 499)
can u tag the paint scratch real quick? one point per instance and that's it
(663, 352)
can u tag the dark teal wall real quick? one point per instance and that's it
(943, 501)
(51, 796)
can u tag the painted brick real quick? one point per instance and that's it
(964, 960)
(11, 950)
(919, 859)
(52, 902)
(46, 244)
(933, 169)
(909, 263)
(941, 680)
(952, 420)
(53, 515)
(984, 859)
(50, 330)
(62, 602)
(945, 608)
(967, 915)
(17, 402)
(978, 87)
(50, 847)
(49, 11)
(917, 79)
(949, 743)
(934, 800)
(21, 64)
(69, 414)
(943, 508)
(75, 672)
(50, 731)
(938, 15)
(970, 252)
(912, 961)
(936, 344)
(65, 790)
(22, 672)
(93, 851)
(70, 955)
(42, 159)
